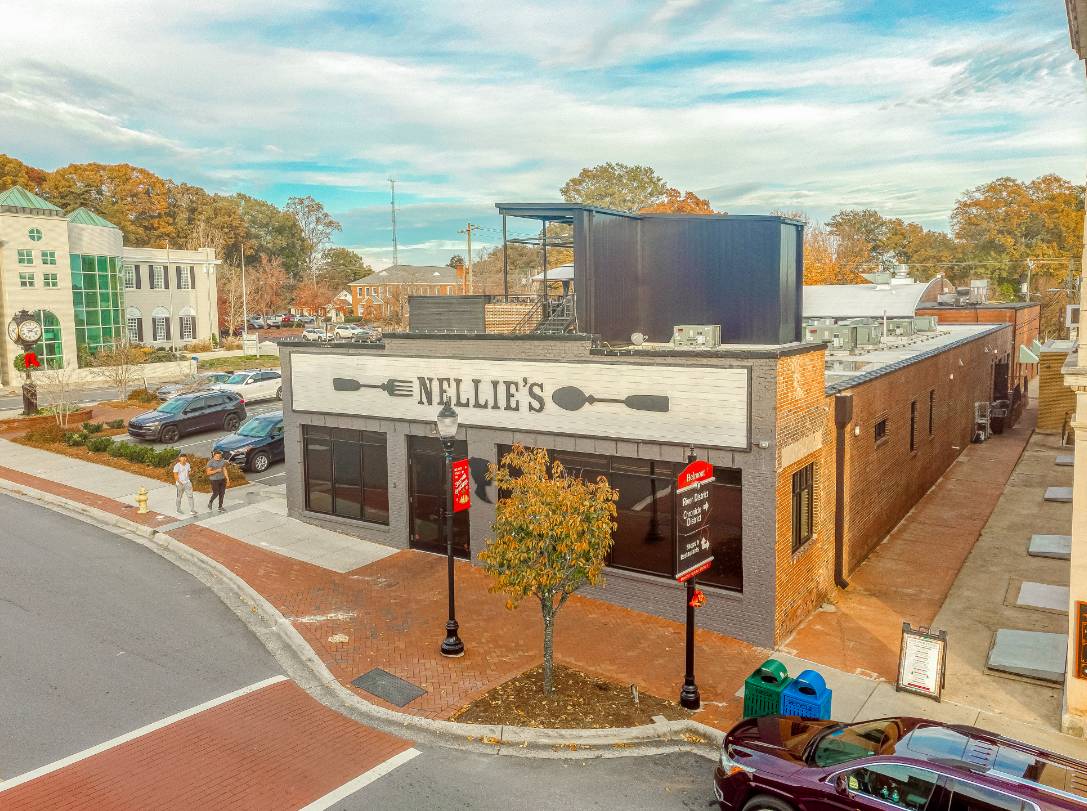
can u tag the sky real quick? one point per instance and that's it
(756, 105)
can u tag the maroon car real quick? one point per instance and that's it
(783, 763)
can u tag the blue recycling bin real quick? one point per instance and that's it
(807, 696)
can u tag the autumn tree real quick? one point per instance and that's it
(616, 185)
(313, 296)
(675, 202)
(266, 285)
(341, 266)
(552, 534)
(455, 260)
(317, 228)
(13, 172)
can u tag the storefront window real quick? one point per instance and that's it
(346, 473)
(645, 538)
(96, 286)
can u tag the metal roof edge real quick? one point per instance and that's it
(864, 377)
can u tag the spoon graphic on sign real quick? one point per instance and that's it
(571, 398)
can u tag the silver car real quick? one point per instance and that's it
(196, 382)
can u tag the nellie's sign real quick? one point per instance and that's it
(693, 493)
(703, 405)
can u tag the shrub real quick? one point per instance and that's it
(199, 474)
(115, 424)
(140, 454)
(92, 427)
(47, 434)
(165, 457)
(231, 343)
(117, 449)
(75, 438)
(203, 345)
(99, 444)
(141, 396)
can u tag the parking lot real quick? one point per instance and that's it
(201, 444)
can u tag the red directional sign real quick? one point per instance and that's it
(694, 474)
(693, 552)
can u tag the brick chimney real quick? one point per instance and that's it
(460, 272)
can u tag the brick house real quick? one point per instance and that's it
(376, 296)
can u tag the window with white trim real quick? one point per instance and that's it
(184, 282)
(49, 257)
(158, 280)
(130, 277)
(26, 280)
(133, 326)
(49, 280)
(26, 257)
(187, 327)
(160, 327)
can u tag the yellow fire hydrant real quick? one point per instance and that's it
(141, 499)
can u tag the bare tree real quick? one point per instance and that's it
(118, 364)
(317, 227)
(61, 389)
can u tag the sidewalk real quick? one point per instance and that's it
(391, 604)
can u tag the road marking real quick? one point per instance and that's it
(364, 779)
(137, 733)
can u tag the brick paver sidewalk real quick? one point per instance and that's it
(393, 611)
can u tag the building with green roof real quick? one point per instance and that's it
(89, 291)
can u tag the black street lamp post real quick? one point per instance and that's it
(688, 696)
(447, 430)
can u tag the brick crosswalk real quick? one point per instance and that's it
(270, 749)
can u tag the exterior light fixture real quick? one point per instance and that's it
(447, 429)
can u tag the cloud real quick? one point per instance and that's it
(759, 104)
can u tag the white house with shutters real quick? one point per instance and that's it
(170, 295)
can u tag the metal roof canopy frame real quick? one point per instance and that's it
(744, 272)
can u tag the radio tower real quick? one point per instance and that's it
(392, 184)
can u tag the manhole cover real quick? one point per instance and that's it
(388, 687)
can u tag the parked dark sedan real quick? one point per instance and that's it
(257, 444)
(189, 414)
(782, 763)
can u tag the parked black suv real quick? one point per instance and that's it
(189, 414)
(257, 444)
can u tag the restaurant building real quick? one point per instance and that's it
(363, 457)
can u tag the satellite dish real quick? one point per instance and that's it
(637, 339)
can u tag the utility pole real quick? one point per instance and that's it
(1030, 269)
(468, 278)
(392, 183)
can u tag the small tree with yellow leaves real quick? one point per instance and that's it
(552, 535)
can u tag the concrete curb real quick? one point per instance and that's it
(309, 672)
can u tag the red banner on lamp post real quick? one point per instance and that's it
(462, 499)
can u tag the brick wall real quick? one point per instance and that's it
(885, 479)
(1056, 401)
(805, 435)
(1025, 319)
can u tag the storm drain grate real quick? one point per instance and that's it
(386, 686)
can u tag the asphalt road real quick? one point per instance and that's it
(90, 396)
(101, 637)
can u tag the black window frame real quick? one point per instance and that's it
(931, 409)
(727, 485)
(372, 442)
(881, 430)
(913, 426)
(803, 510)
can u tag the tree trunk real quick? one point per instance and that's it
(549, 646)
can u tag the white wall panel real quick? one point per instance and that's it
(707, 406)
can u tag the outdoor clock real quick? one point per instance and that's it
(24, 329)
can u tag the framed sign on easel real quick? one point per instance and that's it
(922, 661)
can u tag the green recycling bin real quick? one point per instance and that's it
(762, 689)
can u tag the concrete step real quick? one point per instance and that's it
(1050, 546)
(1062, 495)
(1033, 654)
(1066, 461)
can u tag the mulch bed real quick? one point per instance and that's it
(579, 701)
(165, 474)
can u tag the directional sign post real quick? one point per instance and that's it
(693, 555)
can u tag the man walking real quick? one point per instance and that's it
(219, 478)
(182, 482)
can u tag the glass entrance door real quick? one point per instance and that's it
(428, 482)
